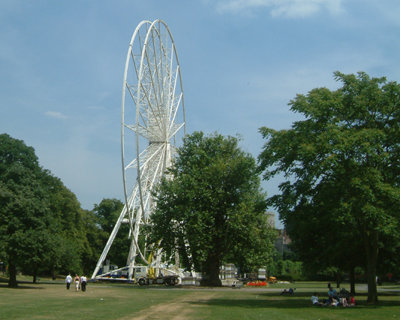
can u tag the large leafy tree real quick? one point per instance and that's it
(25, 220)
(342, 167)
(42, 226)
(212, 210)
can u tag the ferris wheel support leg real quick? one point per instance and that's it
(109, 242)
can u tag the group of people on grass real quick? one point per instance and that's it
(80, 282)
(343, 299)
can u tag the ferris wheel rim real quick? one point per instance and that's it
(137, 29)
(150, 27)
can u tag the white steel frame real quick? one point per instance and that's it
(152, 121)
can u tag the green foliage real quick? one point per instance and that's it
(42, 226)
(285, 267)
(290, 270)
(25, 221)
(212, 211)
(342, 166)
(107, 213)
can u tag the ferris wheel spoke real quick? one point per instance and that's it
(152, 177)
(175, 108)
(151, 107)
(172, 97)
(156, 68)
(162, 57)
(170, 74)
(133, 163)
(152, 79)
(164, 70)
(150, 155)
(175, 129)
(130, 127)
(134, 64)
(140, 130)
(132, 208)
(131, 93)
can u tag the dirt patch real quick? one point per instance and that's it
(177, 309)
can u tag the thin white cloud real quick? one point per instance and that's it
(55, 114)
(278, 8)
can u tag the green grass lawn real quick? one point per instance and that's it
(121, 301)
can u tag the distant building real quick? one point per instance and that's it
(283, 241)
(270, 219)
(228, 271)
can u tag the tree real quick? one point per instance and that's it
(42, 226)
(25, 221)
(213, 210)
(72, 250)
(93, 244)
(107, 213)
(343, 158)
(328, 245)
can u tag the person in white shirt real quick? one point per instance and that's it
(68, 281)
(314, 300)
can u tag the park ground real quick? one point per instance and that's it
(50, 300)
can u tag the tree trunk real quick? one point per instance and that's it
(371, 279)
(372, 257)
(211, 276)
(34, 274)
(352, 281)
(338, 279)
(12, 271)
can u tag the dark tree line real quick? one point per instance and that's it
(43, 229)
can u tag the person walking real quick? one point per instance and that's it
(68, 281)
(77, 281)
(83, 283)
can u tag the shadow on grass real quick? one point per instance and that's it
(324, 295)
(5, 285)
(297, 301)
(254, 303)
(294, 303)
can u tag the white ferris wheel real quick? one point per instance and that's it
(152, 123)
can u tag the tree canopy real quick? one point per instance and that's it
(42, 226)
(213, 210)
(341, 165)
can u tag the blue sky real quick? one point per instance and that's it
(242, 61)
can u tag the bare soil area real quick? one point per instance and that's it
(177, 309)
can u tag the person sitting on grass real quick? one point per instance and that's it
(343, 302)
(315, 300)
(332, 293)
(343, 293)
(289, 292)
(284, 292)
(334, 302)
(352, 301)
